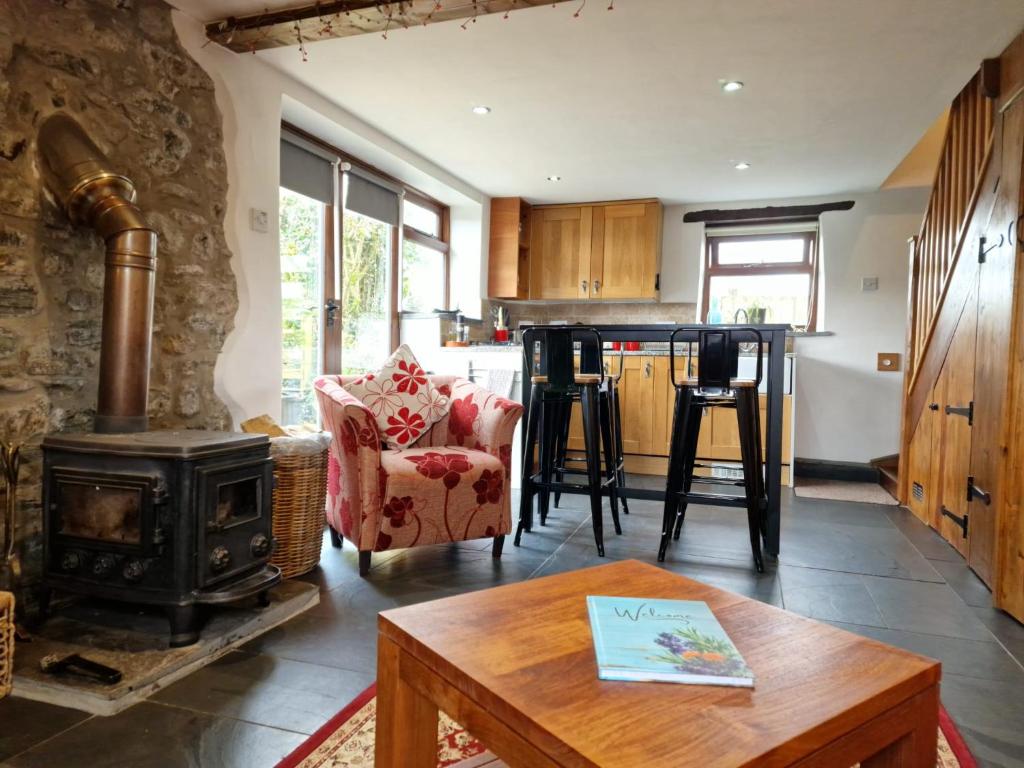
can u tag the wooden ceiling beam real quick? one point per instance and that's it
(346, 18)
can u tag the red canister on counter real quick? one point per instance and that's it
(632, 346)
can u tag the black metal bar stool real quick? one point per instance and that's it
(554, 383)
(611, 425)
(716, 384)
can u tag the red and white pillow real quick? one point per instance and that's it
(403, 401)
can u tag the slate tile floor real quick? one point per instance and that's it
(868, 569)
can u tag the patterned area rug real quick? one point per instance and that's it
(346, 741)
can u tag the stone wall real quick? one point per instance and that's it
(117, 67)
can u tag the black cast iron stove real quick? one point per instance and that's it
(173, 519)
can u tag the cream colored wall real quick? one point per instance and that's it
(846, 409)
(253, 97)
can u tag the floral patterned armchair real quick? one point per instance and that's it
(452, 484)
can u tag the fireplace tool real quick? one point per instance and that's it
(10, 463)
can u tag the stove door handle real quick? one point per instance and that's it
(159, 495)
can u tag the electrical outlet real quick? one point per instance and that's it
(869, 283)
(259, 221)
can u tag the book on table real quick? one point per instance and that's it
(672, 641)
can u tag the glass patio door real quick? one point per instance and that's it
(311, 328)
(308, 304)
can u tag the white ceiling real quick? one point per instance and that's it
(627, 103)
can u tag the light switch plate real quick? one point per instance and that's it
(259, 221)
(869, 283)
(889, 361)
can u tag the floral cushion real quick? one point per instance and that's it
(401, 397)
(434, 495)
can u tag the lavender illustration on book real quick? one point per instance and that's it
(694, 653)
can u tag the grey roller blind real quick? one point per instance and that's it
(372, 196)
(306, 169)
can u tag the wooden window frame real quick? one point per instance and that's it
(807, 266)
(440, 244)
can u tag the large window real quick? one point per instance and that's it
(424, 268)
(761, 277)
(342, 297)
(365, 292)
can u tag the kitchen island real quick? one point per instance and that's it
(774, 387)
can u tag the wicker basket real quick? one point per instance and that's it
(300, 493)
(6, 642)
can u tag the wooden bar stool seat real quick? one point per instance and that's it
(581, 378)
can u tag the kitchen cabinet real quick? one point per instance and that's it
(625, 254)
(508, 272)
(587, 251)
(560, 252)
(636, 400)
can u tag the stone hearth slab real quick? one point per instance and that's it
(134, 641)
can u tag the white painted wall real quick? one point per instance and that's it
(846, 410)
(253, 98)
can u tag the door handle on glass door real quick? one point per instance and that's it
(331, 307)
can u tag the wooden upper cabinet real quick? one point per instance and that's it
(560, 252)
(624, 260)
(508, 273)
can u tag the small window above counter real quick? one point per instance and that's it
(577, 252)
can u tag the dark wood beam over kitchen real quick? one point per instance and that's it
(765, 214)
(346, 18)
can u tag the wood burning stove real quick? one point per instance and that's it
(175, 519)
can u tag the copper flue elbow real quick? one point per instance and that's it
(82, 179)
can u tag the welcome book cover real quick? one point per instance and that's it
(673, 641)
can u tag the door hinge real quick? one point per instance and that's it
(981, 249)
(657, 281)
(960, 521)
(968, 412)
(974, 492)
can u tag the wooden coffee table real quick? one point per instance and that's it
(515, 665)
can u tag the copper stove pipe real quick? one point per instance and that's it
(91, 193)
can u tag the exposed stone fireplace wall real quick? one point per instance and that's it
(117, 67)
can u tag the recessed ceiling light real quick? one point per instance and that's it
(742, 165)
(481, 110)
(554, 178)
(729, 86)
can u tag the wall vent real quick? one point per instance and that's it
(918, 492)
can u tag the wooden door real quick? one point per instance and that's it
(919, 465)
(626, 246)
(925, 464)
(724, 438)
(664, 406)
(560, 252)
(958, 392)
(1008, 534)
(508, 271)
(637, 404)
(999, 286)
